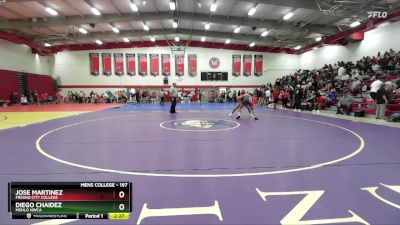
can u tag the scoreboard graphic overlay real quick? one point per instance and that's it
(70, 200)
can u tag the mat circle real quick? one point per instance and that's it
(244, 174)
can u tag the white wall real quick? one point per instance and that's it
(73, 68)
(17, 57)
(380, 39)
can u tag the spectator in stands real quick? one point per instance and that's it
(36, 97)
(374, 88)
(298, 95)
(331, 97)
(285, 98)
(30, 96)
(355, 85)
(346, 103)
(381, 102)
(44, 97)
(24, 100)
(267, 96)
(138, 96)
(4, 103)
(14, 98)
(162, 97)
(58, 97)
(81, 98)
(321, 103)
(275, 96)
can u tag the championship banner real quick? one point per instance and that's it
(94, 63)
(166, 64)
(258, 65)
(154, 64)
(106, 58)
(192, 61)
(236, 65)
(247, 65)
(118, 64)
(130, 64)
(142, 58)
(179, 64)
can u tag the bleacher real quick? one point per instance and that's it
(365, 105)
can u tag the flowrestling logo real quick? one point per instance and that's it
(377, 14)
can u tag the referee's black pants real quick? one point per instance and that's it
(173, 105)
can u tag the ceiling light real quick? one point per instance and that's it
(134, 7)
(47, 44)
(83, 31)
(288, 15)
(126, 39)
(207, 26)
(116, 30)
(95, 11)
(172, 5)
(318, 39)
(252, 11)
(213, 7)
(144, 2)
(152, 39)
(145, 27)
(51, 11)
(203, 39)
(355, 24)
(228, 41)
(252, 44)
(297, 47)
(199, 4)
(236, 30)
(176, 38)
(175, 24)
(265, 33)
(99, 42)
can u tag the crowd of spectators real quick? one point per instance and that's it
(333, 84)
(31, 97)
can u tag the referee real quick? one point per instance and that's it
(174, 97)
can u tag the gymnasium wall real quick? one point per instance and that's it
(380, 39)
(73, 68)
(16, 57)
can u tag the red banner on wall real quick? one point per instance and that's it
(258, 65)
(106, 59)
(118, 64)
(142, 58)
(155, 64)
(247, 65)
(192, 62)
(166, 64)
(94, 63)
(236, 65)
(179, 64)
(130, 64)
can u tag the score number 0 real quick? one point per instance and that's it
(121, 206)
